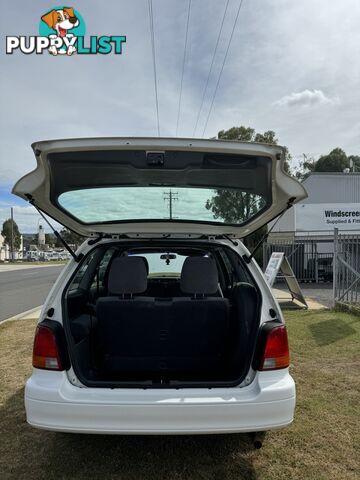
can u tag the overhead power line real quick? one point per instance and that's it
(151, 20)
(222, 66)
(183, 66)
(211, 67)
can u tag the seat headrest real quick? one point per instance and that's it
(145, 260)
(199, 275)
(127, 275)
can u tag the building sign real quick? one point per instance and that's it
(327, 216)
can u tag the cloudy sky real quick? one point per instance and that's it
(292, 67)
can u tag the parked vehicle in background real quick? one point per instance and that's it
(32, 256)
(47, 255)
(325, 269)
(320, 268)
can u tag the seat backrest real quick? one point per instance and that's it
(144, 334)
(244, 322)
(200, 323)
(121, 320)
(246, 305)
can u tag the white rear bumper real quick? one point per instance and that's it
(53, 403)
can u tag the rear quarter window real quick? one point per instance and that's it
(75, 284)
(236, 271)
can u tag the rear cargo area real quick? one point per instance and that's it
(161, 315)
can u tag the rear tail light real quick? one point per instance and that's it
(46, 352)
(274, 349)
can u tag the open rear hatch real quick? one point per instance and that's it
(125, 327)
(159, 185)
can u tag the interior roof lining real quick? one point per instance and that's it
(179, 169)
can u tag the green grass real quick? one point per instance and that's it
(322, 443)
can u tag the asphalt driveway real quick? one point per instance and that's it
(24, 288)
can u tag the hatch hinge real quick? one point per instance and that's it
(77, 258)
(234, 242)
(96, 239)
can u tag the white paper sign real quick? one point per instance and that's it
(273, 267)
(279, 263)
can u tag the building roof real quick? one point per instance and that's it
(332, 187)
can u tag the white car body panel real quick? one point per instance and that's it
(53, 403)
(58, 401)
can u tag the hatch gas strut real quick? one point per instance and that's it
(248, 258)
(77, 258)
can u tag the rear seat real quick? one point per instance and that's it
(156, 337)
(200, 322)
(123, 318)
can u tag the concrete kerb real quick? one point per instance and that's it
(28, 314)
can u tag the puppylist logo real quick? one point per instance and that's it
(62, 32)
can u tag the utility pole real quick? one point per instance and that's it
(171, 197)
(12, 234)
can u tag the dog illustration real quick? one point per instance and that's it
(61, 21)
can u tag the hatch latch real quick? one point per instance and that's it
(155, 159)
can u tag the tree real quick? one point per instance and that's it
(50, 239)
(305, 168)
(232, 206)
(248, 134)
(71, 238)
(335, 161)
(6, 233)
(266, 137)
(355, 160)
(243, 134)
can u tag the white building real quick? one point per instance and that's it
(41, 236)
(5, 252)
(306, 232)
(333, 202)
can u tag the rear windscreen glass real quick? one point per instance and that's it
(116, 204)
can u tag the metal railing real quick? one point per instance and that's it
(346, 269)
(306, 262)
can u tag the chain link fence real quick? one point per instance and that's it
(347, 269)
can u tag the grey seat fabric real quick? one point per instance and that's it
(199, 276)
(145, 260)
(246, 309)
(144, 337)
(121, 320)
(127, 275)
(201, 323)
(81, 326)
